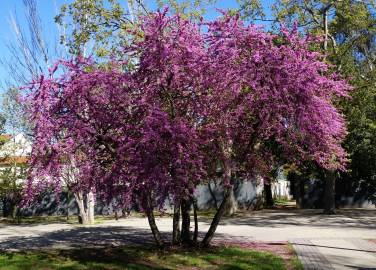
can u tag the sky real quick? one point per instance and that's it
(15, 8)
(48, 9)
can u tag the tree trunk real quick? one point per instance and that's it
(176, 224)
(83, 215)
(218, 215)
(85, 207)
(14, 210)
(329, 193)
(213, 195)
(227, 192)
(153, 226)
(5, 207)
(232, 205)
(269, 202)
(195, 234)
(186, 221)
(297, 191)
(68, 205)
(10, 207)
(125, 212)
(326, 31)
(90, 207)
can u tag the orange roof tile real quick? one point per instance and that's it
(12, 160)
(5, 136)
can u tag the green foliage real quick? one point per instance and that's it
(354, 28)
(11, 185)
(188, 8)
(98, 26)
(103, 27)
(308, 13)
(12, 176)
(361, 141)
(251, 10)
(52, 219)
(13, 113)
(9, 179)
(12, 171)
(2, 126)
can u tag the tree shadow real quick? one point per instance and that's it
(119, 247)
(80, 259)
(92, 237)
(81, 237)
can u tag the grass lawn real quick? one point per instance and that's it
(139, 258)
(52, 219)
(72, 219)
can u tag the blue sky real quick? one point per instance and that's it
(48, 10)
(8, 8)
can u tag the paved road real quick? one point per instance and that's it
(323, 242)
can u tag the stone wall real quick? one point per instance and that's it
(246, 192)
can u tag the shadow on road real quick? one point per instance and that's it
(352, 218)
(81, 237)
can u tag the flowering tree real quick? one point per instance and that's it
(150, 127)
(271, 100)
(58, 156)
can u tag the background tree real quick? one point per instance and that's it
(13, 159)
(354, 28)
(14, 113)
(347, 30)
(103, 27)
(13, 151)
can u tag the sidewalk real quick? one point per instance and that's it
(333, 253)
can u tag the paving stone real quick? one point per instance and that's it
(366, 245)
(310, 256)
